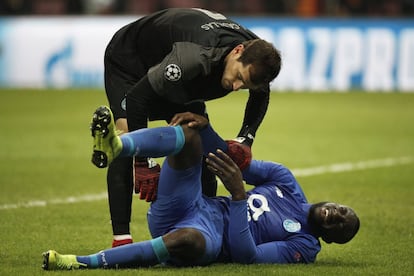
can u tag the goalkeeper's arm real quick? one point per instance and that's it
(254, 113)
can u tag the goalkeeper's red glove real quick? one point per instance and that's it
(240, 153)
(147, 174)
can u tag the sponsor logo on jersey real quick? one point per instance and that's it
(291, 226)
(172, 72)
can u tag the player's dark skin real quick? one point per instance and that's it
(188, 244)
(330, 218)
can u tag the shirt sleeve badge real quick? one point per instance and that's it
(172, 72)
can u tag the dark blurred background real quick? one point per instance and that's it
(299, 8)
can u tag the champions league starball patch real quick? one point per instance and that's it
(172, 72)
(291, 226)
(123, 104)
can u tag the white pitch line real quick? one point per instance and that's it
(333, 168)
(346, 167)
(56, 201)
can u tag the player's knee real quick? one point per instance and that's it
(190, 153)
(192, 141)
(191, 135)
(193, 239)
(186, 245)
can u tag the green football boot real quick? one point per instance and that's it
(55, 261)
(106, 142)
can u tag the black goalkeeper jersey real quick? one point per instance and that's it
(180, 53)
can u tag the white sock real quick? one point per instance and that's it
(122, 237)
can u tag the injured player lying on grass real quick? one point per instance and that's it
(271, 223)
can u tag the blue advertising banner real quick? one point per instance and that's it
(341, 54)
(318, 54)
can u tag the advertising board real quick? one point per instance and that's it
(318, 54)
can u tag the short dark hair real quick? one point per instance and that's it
(264, 58)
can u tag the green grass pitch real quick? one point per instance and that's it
(52, 197)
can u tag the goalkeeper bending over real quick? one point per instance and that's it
(272, 223)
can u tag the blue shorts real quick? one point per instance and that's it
(180, 204)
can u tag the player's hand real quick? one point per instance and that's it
(147, 174)
(191, 119)
(229, 173)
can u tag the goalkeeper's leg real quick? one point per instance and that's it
(119, 181)
(208, 181)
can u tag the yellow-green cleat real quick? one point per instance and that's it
(55, 261)
(106, 142)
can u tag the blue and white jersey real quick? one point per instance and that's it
(276, 228)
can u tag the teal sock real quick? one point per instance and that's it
(153, 142)
(160, 249)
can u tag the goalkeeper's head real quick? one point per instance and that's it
(252, 64)
(264, 58)
(333, 222)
